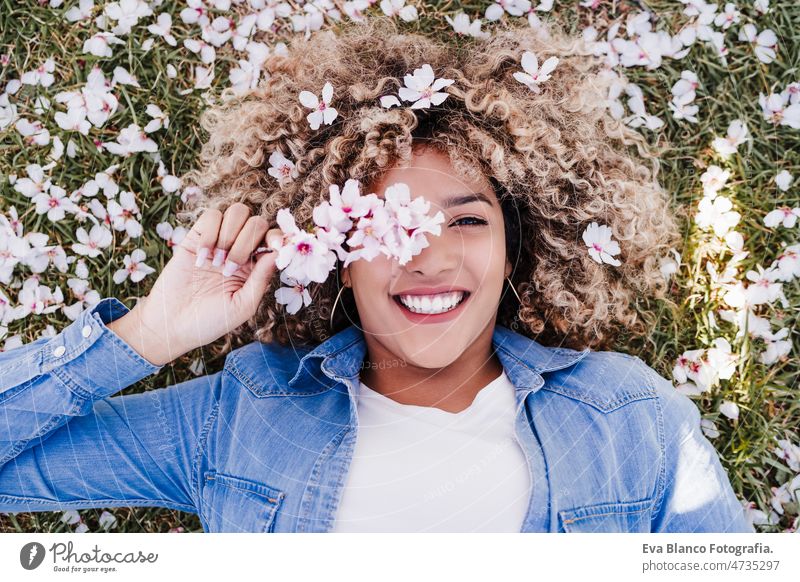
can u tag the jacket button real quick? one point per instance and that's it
(59, 351)
(86, 331)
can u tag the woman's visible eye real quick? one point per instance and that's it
(476, 221)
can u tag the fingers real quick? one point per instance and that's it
(253, 290)
(231, 238)
(274, 238)
(235, 217)
(201, 237)
(248, 239)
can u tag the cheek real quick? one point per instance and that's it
(484, 257)
(370, 278)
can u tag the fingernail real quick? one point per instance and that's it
(219, 257)
(229, 268)
(202, 255)
(263, 250)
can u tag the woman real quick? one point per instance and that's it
(376, 408)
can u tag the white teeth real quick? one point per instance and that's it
(432, 303)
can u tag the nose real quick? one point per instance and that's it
(442, 255)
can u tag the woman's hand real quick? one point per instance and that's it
(212, 284)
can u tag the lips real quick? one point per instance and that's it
(431, 317)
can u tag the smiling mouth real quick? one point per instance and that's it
(432, 304)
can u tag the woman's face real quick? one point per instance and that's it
(469, 256)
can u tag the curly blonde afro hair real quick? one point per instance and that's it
(557, 159)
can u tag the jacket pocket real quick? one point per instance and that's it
(620, 516)
(235, 504)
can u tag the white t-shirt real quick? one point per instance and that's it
(422, 469)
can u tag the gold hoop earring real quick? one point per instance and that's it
(514, 290)
(335, 302)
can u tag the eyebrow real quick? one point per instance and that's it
(466, 199)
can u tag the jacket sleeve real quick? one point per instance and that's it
(694, 491)
(65, 444)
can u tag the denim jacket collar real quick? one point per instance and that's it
(524, 360)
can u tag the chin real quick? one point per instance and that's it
(430, 351)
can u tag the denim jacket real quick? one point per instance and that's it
(264, 444)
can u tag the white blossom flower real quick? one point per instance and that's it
(245, 76)
(765, 286)
(159, 119)
(102, 180)
(398, 7)
(737, 135)
(195, 12)
(777, 110)
(755, 516)
(203, 76)
(783, 180)
(789, 452)
(162, 28)
(601, 246)
(410, 221)
(206, 51)
(107, 521)
(777, 347)
(639, 115)
(709, 428)
(124, 214)
(389, 101)
(533, 75)
(131, 140)
(302, 256)
(70, 517)
(716, 214)
(513, 7)
(461, 25)
(35, 182)
(37, 299)
(33, 132)
(782, 215)
(173, 235)
(294, 296)
(55, 203)
(367, 240)
(422, 88)
(73, 120)
(135, 268)
(681, 108)
(713, 180)
(354, 9)
(730, 16)
(43, 75)
(8, 111)
(787, 264)
(764, 43)
(127, 13)
(323, 112)
(281, 168)
(91, 244)
(123, 77)
(729, 409)
(80, 12)
(100, 44)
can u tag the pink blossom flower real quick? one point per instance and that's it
(422, 88)
(323, 112)
(533, 75)
(601, 246)
(135, 268)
